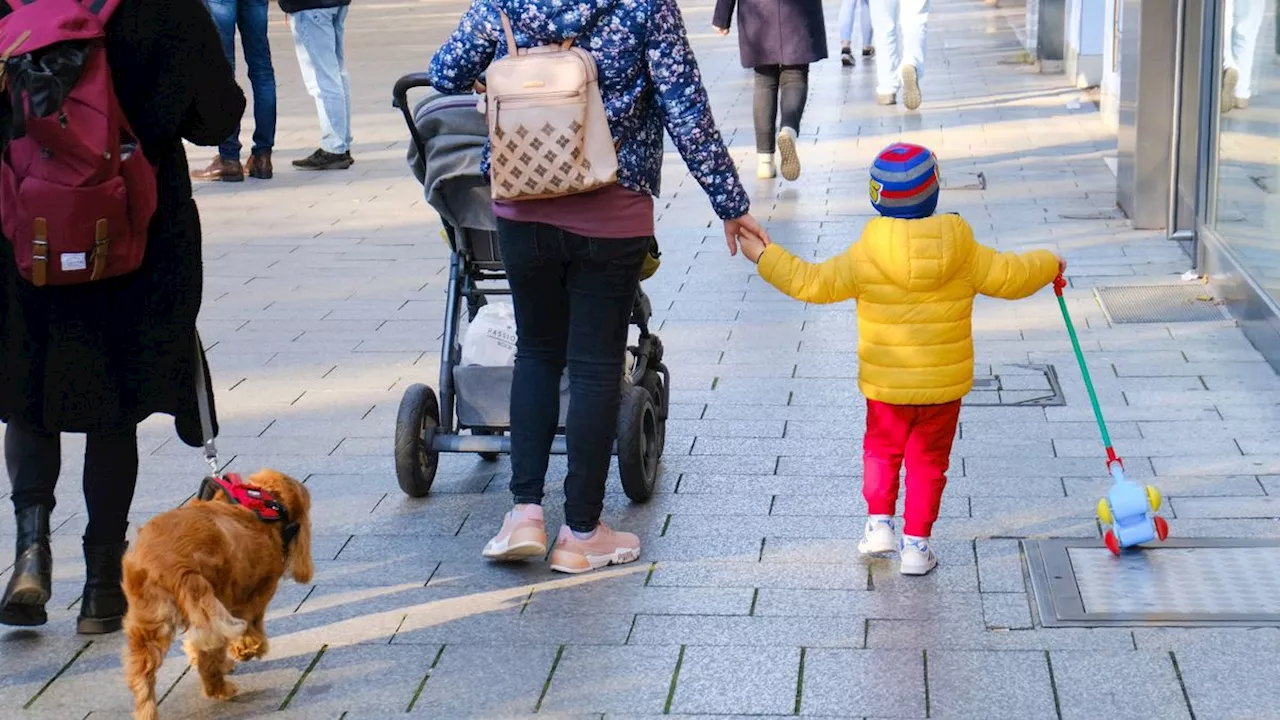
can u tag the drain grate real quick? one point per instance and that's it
(1192, 583)
(1017, 386)
(1159, 304)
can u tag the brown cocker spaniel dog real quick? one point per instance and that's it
(212, 568)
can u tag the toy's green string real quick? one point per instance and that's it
(1084, 370)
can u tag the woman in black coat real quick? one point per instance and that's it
(778, 39)
(101, 357)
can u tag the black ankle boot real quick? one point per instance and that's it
(29, 588)
(102, 606)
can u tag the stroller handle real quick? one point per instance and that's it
(400, 101)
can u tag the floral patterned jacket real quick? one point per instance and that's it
(648, 78)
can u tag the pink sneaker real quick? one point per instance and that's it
(523, 535)
(606, 547)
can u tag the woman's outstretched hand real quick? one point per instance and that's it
(743, 227)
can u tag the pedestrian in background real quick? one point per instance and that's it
(778, 39)
(318, 28)
(900, 27)
(1242, 20)
(848, 9)
(250, 16)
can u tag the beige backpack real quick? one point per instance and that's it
(548, 133)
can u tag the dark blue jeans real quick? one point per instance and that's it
(251, 17)
(573, 297)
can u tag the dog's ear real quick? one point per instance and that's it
(300, 566)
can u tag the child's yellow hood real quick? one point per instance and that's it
(919, 255)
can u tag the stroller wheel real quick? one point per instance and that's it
(638, 443)
(416, 424)
(652, 384)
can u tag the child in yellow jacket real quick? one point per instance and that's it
(914, 275)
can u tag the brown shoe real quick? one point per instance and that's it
(887, 99)
(221, 170)
(259, 166)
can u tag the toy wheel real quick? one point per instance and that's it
(416, 424)
(1112, 543)
(637, 443)
(1162, 528)
(1104, 512)
(1153, 498)
(652, 384)
(487, 456)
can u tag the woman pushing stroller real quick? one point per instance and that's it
(573, 262)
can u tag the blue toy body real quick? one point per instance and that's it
(1128, 512)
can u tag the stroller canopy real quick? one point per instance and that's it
(454, 135)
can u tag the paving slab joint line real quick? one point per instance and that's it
(1182, 685)
(675, 679)
(755, 596)
(61, 670)
(298, 685)
(1053, 685)
(928, 701)
(648, 577)
(546, 686)
(173, 686)
(800, 682)
(423, 683)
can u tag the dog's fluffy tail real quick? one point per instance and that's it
(211, 625)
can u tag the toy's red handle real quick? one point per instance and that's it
(1058, 284)
(1114, 459)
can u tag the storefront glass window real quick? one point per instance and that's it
(1248, 188)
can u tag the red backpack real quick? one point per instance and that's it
(76, 192)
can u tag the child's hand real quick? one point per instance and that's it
(722, 31)
(1062, 266)
(752, 245)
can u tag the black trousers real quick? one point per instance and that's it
(34, 460)
(790, 83)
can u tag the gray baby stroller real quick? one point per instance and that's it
(448, 137)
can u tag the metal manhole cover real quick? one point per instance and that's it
(1201, 582)
(1159, 304)
(1017, 386)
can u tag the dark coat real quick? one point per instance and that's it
(776, 32)
(101, 357)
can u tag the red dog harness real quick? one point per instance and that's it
(253, 498)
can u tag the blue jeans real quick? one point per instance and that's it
(317, 36)
(251, 17)
(848, 9)
(573, 297)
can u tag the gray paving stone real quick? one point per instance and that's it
(1006, 611)
(845, 550)
(768, 484)
(1118, 684)
(768, 525)
(1217, 465)
(263, 686)
(759, 575)
(1174, 486)
(747, 681)
(1196, 640)
(364, 679)
(960, 577)
(847, 504)
(885, 683)
(1062, 467)
(1231, 683)
(1226, 507)
(990, 685)
(606, 598)
(611, 680)
(757, 631)
(906, 604)
(454, 689)
(947, 635)
(482, 619)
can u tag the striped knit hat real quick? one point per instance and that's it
(904, 182)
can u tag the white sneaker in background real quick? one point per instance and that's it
(764, 167)
(916, 556)
(787, 149)
(878, 537)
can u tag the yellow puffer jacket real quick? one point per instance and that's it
(914, 281)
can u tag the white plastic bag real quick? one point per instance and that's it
(490, 339)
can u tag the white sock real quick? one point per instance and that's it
(915, 538)
(582, 536)
(764, 158)
(527, 512)
(880, 518)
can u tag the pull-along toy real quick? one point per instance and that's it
(1128, 510)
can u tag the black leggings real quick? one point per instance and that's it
(793, 80)
(34, 459)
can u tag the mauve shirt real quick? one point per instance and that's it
(610, 212)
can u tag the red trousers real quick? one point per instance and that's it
(921, 435)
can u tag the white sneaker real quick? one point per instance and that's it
(878, 537)
(765, 168)
(790, 158)
(916, 556)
